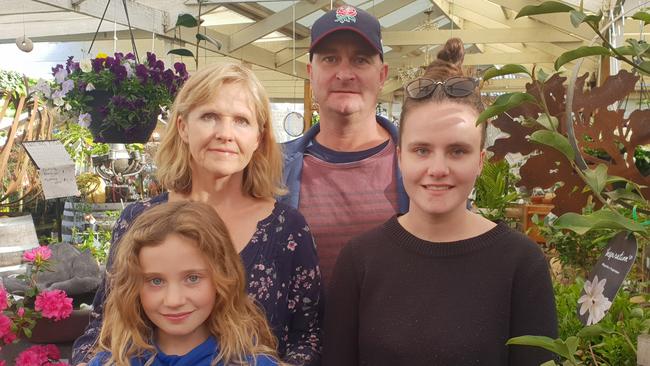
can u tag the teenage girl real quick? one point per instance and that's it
(439, 285)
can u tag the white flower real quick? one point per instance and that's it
(594, 301)
(61, 75)
(84, 120)
(85, 65)
(90, 87)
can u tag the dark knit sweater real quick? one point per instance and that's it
(397, 300)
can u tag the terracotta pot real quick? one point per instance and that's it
(66, 330)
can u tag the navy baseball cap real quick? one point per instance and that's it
(347, 18)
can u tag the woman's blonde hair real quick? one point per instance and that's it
(237, 323)
(263, 175)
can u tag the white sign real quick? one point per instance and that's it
(56, 169)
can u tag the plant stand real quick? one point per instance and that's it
(527, 225)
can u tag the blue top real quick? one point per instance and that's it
(283, 279)
(201, 355)
(294, 152)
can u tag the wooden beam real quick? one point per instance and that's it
(141, 16)
(558, 20)
(518, 35)
(274, 22)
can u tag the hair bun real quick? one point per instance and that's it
(453, 51)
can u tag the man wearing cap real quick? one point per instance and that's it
(342, 173)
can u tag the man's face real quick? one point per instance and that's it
(346, 74)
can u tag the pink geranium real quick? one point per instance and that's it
(3, 363)
(6, 335)
(39, 355)
(4, 298)
(37, 255)
(53, 304)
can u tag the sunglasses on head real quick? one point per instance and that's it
(456, 86)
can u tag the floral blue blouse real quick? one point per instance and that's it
(283, 278)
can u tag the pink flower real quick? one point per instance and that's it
(40, 355)
(4, 298)
(37, 255)
(3, 363)
(53, 304)
(5, 330)
(21, 312)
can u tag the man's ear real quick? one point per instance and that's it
(384, 74)
(399, 158)
(181, 126)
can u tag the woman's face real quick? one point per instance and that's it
(223, 134)
(440, 157)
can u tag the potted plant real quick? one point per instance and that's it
(116, 97)
(40, 315)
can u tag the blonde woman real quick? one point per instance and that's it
(178, 295)
(219, 149)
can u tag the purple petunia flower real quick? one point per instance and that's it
(141, 72)
(67, 86)
(155, 75)
(98, 64)
(160, 65)
(56, 69)
(61, 75)
(84, 120)
(109, 61)
(180, 68)
(151, 59)
(119, 71)
(130, 56)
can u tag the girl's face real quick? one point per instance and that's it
(223, 134)
(440, 157)
(177, 293)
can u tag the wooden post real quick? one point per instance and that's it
(643, 350)
(307, 106)
(541, 210)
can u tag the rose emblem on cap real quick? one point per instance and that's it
(345, 14)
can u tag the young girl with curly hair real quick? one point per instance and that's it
(178, 296)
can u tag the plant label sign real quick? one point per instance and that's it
(55, 167)
(606, 278)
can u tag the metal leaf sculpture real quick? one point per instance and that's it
(604, 132)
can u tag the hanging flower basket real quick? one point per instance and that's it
(104, 132)
(117, 98)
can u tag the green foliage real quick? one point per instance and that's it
(579, 251)
(78, 142)
(584, 51)
(554, 140)
(546, 7)
(185, 20)
(601, 219)
(11, 80)
(495, 189)
(504, 103)
(610, 342)
(509, 69)
(642, 160)
(97, 242)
